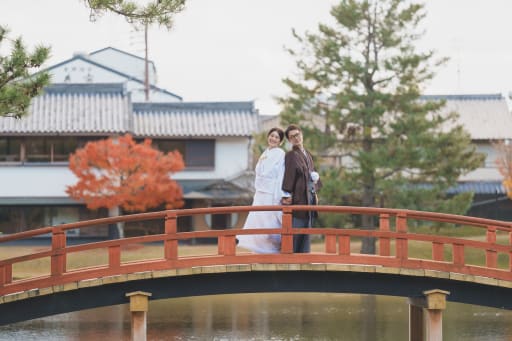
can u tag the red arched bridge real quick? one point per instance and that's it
(474, 270)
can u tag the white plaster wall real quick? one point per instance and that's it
(231, 155)
(125, 63)
(489, 171)
(36, 181)
(77, 71)
(231, 158)
(138, 94)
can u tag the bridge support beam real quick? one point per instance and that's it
(425, 316)
(139, 310)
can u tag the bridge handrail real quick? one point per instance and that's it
(219, 233)
(410, 214)
(337, 243)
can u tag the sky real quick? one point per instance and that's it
(234, 50)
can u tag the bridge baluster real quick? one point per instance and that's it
(345, 244)
(491, 256)
(384, 242)
(220, 245)
(458, 254)
(5, 274)
(330, 243)
(402, 250)
(286, 234)
(58, 258)
(438, 251)
(228, 245)
(114, 257)
(171, 243)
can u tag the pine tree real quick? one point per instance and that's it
(16, 87)
(360, 81)
(159, 12)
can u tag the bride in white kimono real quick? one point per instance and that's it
(269, 177)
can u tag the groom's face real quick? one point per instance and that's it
(295, 137)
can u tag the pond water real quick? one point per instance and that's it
(273, 316)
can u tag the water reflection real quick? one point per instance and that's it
(277, 316)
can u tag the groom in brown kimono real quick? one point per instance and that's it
(300, 185)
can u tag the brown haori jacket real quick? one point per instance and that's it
(298, 167)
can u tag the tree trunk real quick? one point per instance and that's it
(115, 231)
(368, 245)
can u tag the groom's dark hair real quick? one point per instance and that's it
(290, 128)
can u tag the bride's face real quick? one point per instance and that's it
(273, 139)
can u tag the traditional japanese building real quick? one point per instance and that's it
(214, 139)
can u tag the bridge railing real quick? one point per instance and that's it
(393, 239)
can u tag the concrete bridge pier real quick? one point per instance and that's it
(139, 310)
(425, 316)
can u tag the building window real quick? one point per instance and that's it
(39, 149)
(197, 154)
(10, 149)
(200, 154)
(63, 147)
(15, 219)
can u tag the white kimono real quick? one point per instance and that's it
(269, 178)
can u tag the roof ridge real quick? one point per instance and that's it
(162, 106)
(85, 88)
(494, 96)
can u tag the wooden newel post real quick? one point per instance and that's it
(171, 243)
(384, 242)
(139, 310)
(402, 251)
(426, 316)
(58, 259)
(286, 234)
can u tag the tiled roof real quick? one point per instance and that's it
(484, 187)
(484, 116)
(107, 109)
(195, 119)
(74, 108)
(479, 187)
(86, 88)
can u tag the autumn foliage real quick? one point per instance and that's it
(120, 172)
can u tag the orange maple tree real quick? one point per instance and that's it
(120, 172)
(504, 162)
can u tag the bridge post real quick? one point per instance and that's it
(425, 316)
(384, 242)
(171, 243)
(402, 251)
(287, 236)
(491, 256)
(139, 310)
(58, 258)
